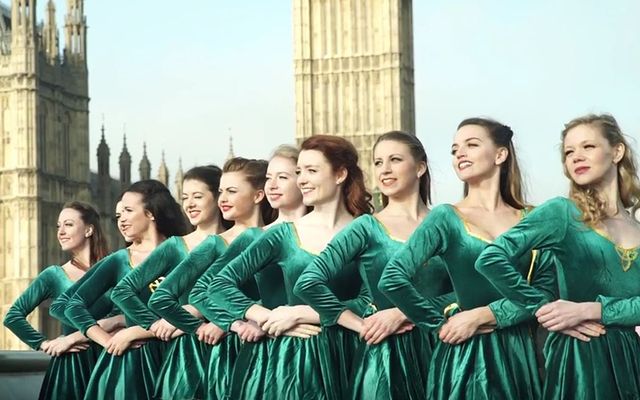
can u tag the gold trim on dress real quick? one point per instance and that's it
(386, 230)
(534, 255)
(627, 254)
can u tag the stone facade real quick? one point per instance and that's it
(44, 142)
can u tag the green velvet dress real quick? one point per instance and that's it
(589, 268)
(134, 374)
(288, 367)
(221, 366)
(185, 285)
(395, 368)
(67, 375)
(174, 381)
(498, 365)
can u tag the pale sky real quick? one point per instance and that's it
(182, 75)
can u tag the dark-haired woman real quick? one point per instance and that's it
(80, 234)
(241, 200)
(596, 242)
(472, 360)
(182, 371)
(304, 367)
(391, 364)
(130, 362)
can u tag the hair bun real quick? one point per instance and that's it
(507, 131)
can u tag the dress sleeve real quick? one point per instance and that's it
(620, 311)
(225, 286)
(542, 229)
(542, 276)
(312, 285)
(16, 319)
(126, 293)
(430, 239)
(198, 296)
(213, 311)
(59, 305)
(89, 290)
(165, 301)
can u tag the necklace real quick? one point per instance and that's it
(627, 257)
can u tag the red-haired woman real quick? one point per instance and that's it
(391, 364)
(306, 367)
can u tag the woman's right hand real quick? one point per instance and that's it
(304, 331)
(585, 330)
(209, 333)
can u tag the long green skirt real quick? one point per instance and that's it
(393, 369)
(184, 369)
(292, 368)
(130, 376)
(498, 365)
(605, 368)
(221, 362)
(68, 375)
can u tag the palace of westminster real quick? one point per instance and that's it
(353, 63)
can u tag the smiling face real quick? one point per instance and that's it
(134, 221)
(588, 156)
(118, 214)
(237, 198)
(396, 171)
(281, 187)
(72, 231)
(198, 202)
(475, 155)
(317, 181)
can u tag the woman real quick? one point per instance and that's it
(180, 376)
(391, 363)
(596, 242)
(468, 363)
(242, 201)
(316, 367)
(130, 362)
(79, 234)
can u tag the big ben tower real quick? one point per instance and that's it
(353, 71)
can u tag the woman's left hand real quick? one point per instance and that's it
(280, 320)
(460, 327)
(63, 345)
(248, 331)
(563, 314)
(162, 329)
(381, 325)
(120, 342)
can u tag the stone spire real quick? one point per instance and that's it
(50, 35)
(163, 172)
(104, 177)
(145, 165)
(23, 23)
(75, 31)
(230, 155)
(103, 155)
(178, 181)
(125, 165)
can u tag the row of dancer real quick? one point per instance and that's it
(325, 300)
